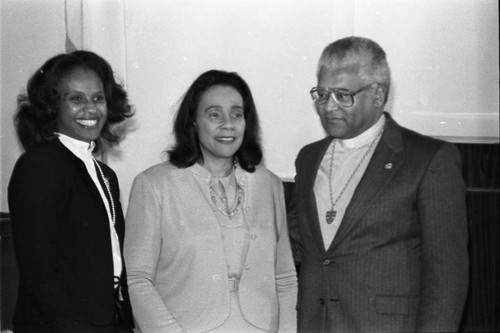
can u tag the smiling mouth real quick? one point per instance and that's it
(225, 139)
(87, 122)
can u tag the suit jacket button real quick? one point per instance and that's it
(326, 262)
(85, 223)
(321, 301)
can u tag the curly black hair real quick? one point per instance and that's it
(36, 116)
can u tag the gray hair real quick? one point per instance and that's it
(363, 52)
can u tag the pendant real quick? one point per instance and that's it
(330, 216)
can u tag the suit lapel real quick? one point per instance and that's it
(385, 162)
(313, 161)
(82, 171)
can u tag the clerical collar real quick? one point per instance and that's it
(364, 138)
(81, 149)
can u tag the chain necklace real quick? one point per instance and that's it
(220, 199)
(332, 213)
(108, 189)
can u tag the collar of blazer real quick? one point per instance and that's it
(82, 171)
(385, 161)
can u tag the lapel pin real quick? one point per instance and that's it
(388, 166)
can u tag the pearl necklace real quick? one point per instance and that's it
(108, 189)
(332, 213)
(220, 199)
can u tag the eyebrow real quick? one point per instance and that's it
(335, 88)
(220, 107)
(81, 92)
(210, 107)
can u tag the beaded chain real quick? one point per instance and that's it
(220, 200)
(332, 213)
(108, 189)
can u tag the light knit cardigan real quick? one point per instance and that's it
(175, 260)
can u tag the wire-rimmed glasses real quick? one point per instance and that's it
(341, 96)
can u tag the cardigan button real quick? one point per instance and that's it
(253, 236)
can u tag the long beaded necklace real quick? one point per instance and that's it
(220, 199)
(332, 213)
(108, 189)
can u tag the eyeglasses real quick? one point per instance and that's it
(343, 97)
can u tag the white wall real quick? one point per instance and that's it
(444, 59)
(30, 32)
(443, 55)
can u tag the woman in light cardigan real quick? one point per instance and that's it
(207, 246)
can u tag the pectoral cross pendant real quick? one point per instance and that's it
(330, 216)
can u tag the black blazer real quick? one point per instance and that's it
(63, 244)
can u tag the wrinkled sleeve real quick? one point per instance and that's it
(36, 192)
(443, 221)
(293, 226)
(286, 276)
(142, 249)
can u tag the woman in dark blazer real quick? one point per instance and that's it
(66, 215)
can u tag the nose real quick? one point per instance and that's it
(90, 106)
(331, 104)
(227, 122)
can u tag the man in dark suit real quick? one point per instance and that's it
(378, 213)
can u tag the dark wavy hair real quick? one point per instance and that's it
(186, 150)
(36, 116)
